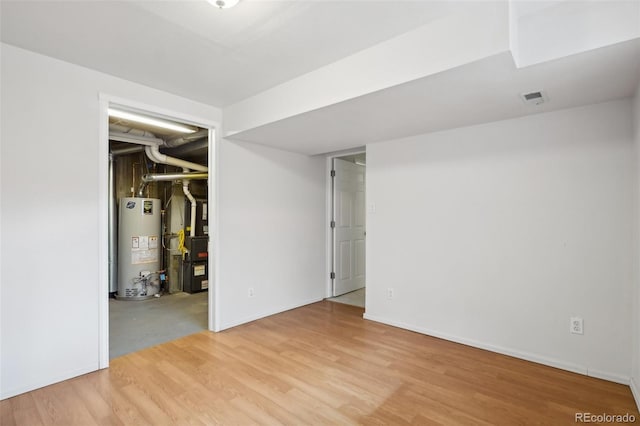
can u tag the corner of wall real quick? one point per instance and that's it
(513, 33)
(635, 367)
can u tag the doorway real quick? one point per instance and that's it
(348, 229)
(161, 220)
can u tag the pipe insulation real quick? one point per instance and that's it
(164, 177)
(119, 128)
(181, 140)
(127, 150)
(130, 138)
(156, 156)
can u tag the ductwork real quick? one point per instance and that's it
(127, 150)
(181, 140)
(158, 177)
(119, 128)
(192, 148)
(157, 157)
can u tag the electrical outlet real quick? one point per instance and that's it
(576, 325)
(389, 293)
(251, 292)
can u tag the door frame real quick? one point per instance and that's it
(329, 243)
(105, 100)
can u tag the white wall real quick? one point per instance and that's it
(272, 231)
(50, 197)
(502, 232)
(635, 386)
(546, 30)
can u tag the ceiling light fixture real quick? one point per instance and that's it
(224, 4)
(150, 121)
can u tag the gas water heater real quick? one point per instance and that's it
(139, 248)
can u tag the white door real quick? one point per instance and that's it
(349, 230)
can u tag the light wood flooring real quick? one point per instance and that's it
(321, 364)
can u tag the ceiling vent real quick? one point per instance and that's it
(534, 98)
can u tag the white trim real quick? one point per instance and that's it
(527, 356)
(103, 239)
(612, 377)
(329, 212)
(103, 233)
(1, 396)
(268, 313)
(328, 231)
(214, 231)
(346, 152)
(635, 391)
(141, 107)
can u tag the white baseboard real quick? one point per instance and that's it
(527, 356)
(11, 392)
(612, 377)
(268, 313)
(635, 390)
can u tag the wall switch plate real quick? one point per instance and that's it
(251, 292)
(371, 208)
(576, 325)
(389, 293)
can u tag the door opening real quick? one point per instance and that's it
(348, 229)
(161, 216)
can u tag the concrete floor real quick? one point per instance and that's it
(355, 298)
(135, 325)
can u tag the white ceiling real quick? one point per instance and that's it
(484, 91)
(203, 53)
(220, 57)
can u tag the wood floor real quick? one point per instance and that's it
(320, 364)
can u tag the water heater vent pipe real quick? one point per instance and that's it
(153, 152)
(187, 193)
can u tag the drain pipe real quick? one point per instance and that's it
(164, 177)
(156, 156)
(187, 193)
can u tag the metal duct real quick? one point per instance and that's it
(181, 140)
(187, 149)
(127, 150)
